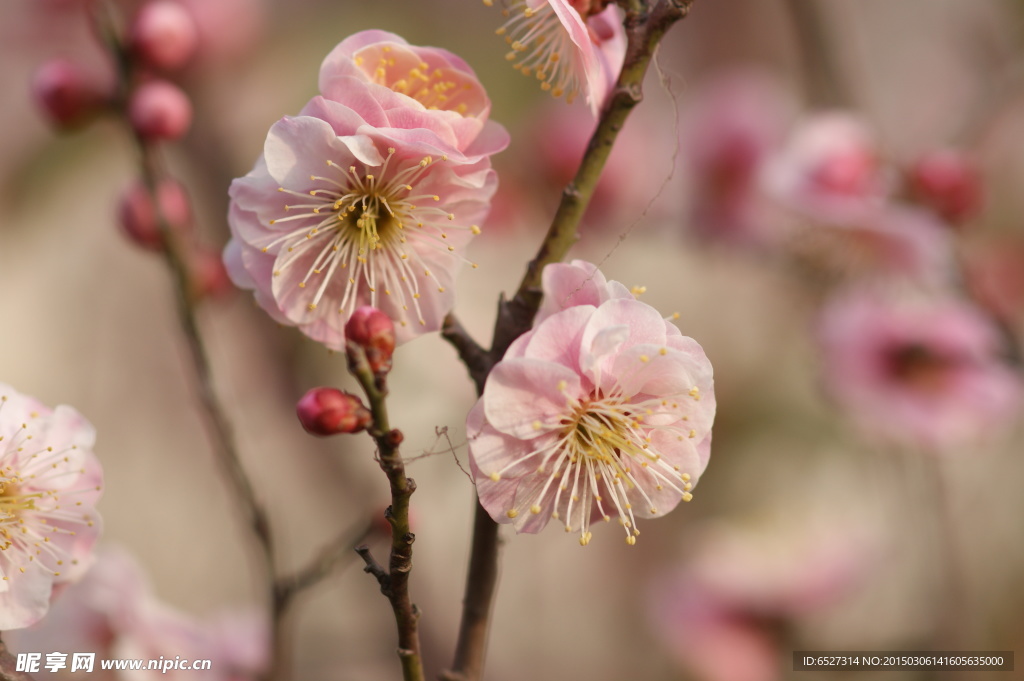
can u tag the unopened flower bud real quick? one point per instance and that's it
(138, 216)
(164, 35)
(373, 331)
(69, 96)
(949, 183)
(329, 411)
(208, 277)
(160, 110)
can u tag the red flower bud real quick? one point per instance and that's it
(164, 35)
(69, 96)
(373, 331)
(946, 181)
(160, 110)
(329, 411)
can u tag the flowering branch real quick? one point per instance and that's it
(394, 581)
(215, 419)
(645, 26)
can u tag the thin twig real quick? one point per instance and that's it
(329, 558)
(824, 81)
(644, 30)
(214, 415)
(394, 582)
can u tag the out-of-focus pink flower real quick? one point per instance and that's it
(163, 34)
(348, 208)
(734, 126)
(598, 411)
(50, 481)
(69, 95)
(434, 79)
(160, 110)
(921, 372)
(228, 29)
(949, 183)
(570, 46)
(719, 614)
(830, 171)
(138, 218)
(113, 613)
(891, 243)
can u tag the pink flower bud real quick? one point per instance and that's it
(208, 276)
(69, 96)
(164, 35)
(329, 411)
(138, 216)
(374, 331)
(160, 110)
(948, 182)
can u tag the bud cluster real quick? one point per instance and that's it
(161, 39)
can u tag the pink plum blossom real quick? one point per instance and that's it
(735, 125)
(574, 283)
(830, 171)
(892, 243)
(604, 408)
(361, 201)
(113, 613)
(50, 481)
(719, 615)
(426, 78)
(570, 46)
(919, 372)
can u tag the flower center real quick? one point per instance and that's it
(32, 507)
(593, 456)
(920, 368)
(358, 224)
(541, 46)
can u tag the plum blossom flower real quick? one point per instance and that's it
(571, 46)
(50, 481)
(113, 612)
(719, 614)
(369, 196)
(735, 125)
(426, 78)
(354, 203)
(927, 373)
(830, 171)
(603, 409)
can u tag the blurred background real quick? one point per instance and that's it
(819, 524)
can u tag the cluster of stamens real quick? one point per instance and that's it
(591, 459)
(358, 224)
(31, 509)
(540, 46)
(434, 89)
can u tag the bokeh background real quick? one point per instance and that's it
(916, 551)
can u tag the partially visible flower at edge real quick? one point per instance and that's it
(113, 613)
(50, 481)
(570, 46)
(602, 409)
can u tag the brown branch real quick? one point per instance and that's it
(644, 30)
(476, 358)
(394, 582)
(218, 426)
(824, 81)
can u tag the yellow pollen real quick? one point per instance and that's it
(495, 477)
(512, 513)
